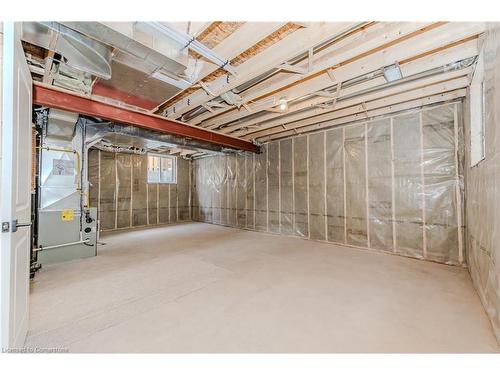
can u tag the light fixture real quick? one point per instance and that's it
(392, 73)
(283, 104)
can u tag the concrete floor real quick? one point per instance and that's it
(204, 288)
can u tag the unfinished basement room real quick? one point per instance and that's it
(250, 187)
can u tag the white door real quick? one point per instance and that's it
(15, 191)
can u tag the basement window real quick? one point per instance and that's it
(477, 115)
(162, 169)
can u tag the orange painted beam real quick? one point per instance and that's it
(53, 98)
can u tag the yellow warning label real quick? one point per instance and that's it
(68, 215)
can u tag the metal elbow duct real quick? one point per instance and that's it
(80, 51)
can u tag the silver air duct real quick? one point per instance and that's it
(130, 136)
(82, 53)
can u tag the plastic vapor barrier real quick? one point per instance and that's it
(300, 176)
(356, 197)
(286, 187)
(240, 192)
(125, 168)
(183, 194)
(93, 175)
(335, 186)
(139, 190)
(393, 184)
(123, 197)
(408, 185)
(260, 166)
(250, 191)
(483, 191)
(153, 211)
(379, 168)
(107, 190)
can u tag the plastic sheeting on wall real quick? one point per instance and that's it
(286, 186)
(123, 197)
(260, 167)
(408, 189)
(183, 195)
(483, 190)
(273, 187)
(379, 174)
(107, 191)
(240, 191)
(153, 210)
(124, 190)
(390, 184)
(335, 185)
(438, 128)
(139, 190)
(93, 176)
(300, 176)
(250, 191)
(355, 181)
(316, 181)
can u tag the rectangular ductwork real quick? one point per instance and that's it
(82, 53)
(147, 68)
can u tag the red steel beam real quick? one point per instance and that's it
(53, 98)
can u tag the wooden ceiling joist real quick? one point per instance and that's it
(217, 32)
(292, 45)
(254, 50)
(347, 50)
(440, 82)
(214, 35)
(346, 72)
(370, 114)
(348, 34)
(329, 74)
(229, 48)
(456, 53)
(363, 106)
(346, 47)
(369, 61)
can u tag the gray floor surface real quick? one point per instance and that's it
(198, 287)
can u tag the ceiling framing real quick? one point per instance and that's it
(328, 73)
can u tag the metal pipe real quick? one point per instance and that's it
(61, 245)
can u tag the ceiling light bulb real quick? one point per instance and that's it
(283, 104)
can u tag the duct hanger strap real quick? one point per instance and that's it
(188, 43)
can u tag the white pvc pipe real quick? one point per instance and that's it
(61, 245)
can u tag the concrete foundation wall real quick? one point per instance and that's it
(120, 191)
(392, 184)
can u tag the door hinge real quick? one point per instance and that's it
(5, 226)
